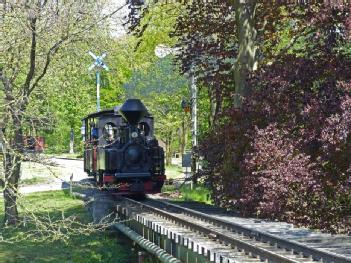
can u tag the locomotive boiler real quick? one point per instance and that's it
(121, 151)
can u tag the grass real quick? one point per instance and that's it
(34, 180)
(65, 155)
(198, 193)
(174, 171)
(32, 170)
(84, 247)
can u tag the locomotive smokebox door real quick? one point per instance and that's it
(133, 110)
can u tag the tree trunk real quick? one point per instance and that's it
(2, 158)
(169, 150)
(12, 165)
(215, 103)
(247, 53)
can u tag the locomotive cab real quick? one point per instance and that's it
(121, 151)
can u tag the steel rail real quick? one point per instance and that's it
(258, 235)
(235, 242)
(316, 254)
(289, 245)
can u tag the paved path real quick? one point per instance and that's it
(64, 169)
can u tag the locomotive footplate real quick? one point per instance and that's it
(131, 175)
(134, 187)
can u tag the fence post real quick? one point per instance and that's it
(70, 184)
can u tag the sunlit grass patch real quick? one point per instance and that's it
(32, 172)
(35, 180)
(169, 188)
(66, 155)
(198, 193)
(174, 171)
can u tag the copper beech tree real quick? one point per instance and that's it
(286, 153)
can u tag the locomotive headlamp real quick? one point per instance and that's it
(134, 135)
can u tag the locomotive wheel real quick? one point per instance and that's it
(139, 196)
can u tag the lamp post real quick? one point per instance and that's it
(71, 141)
(98, 65)
(193, 122)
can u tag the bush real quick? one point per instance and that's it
(287, 153)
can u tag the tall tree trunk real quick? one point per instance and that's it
(12, 165)
(215, 103)
(247, 54)
(2, 156)
(169, 149)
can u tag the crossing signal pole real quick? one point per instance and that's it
(98, 65)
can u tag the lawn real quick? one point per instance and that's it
(87, 246)
(36, 173)
(34, 181)
(66, 155)
(174, 171)
(198, 193)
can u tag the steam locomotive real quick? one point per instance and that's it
(121, 151)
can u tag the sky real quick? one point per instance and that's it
(117, 20)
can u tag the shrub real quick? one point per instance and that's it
(287, 153)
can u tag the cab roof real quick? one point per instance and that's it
(114, 111)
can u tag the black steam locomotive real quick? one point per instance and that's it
(121, 151)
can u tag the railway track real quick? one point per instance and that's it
(221, 240)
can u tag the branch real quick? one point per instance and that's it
(6, 83)
(52, 51)
(32, 55)
(93, 25)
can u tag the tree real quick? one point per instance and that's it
(207, 45)
(155, 81)
(285, 154)
(247, 59)
(32, 36)
(161, 88)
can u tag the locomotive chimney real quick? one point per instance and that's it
(133, 110)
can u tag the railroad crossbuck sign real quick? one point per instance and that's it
(98, 65)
